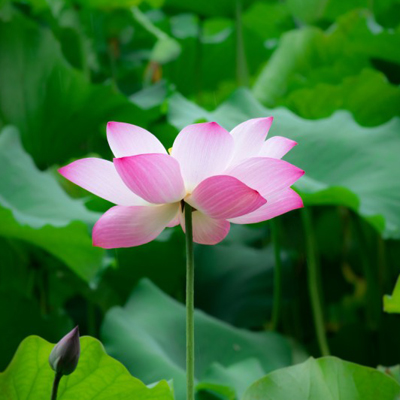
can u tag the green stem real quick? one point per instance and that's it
(199, 62)
(276, 306)
(373, 295)
(313, 282)
(241, 63)
(189, 304)
(145, 22)
(56, 382)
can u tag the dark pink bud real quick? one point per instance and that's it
(65, 355)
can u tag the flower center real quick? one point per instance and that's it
(182, 203)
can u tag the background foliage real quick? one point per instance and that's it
(328, 71)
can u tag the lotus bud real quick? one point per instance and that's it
(65, 355)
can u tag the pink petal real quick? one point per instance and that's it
(206, 230)
(132, 226)
(100, 178)
(154, 177)
(280, 203)
(276, 147)
(266, 175)
(249, 138)
(223, 197)
(130, 140)
(202, 150)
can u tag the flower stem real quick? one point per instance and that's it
(146, 23)
(313, 282)
(242, 76)
(373, 295)
(189, 304)
(56, 382)
(276, 305)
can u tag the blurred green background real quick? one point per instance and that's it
(328, 71)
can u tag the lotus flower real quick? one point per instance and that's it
(235, 177)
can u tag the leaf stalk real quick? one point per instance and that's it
(314, 282)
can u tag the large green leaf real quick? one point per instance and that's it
(237, 377)
(71, 244)
(393, 371)
(148, 336)
(352, 95)
(327, 378)
(345, 164)
(315, 73)
(58, 112)
(98, 376)
(34, 208)
(34, 197)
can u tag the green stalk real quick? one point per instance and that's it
(276, 305)
(199, 58)
(189, 304)
(242, 75)
(145, 22)
(373, 295)
(56, 382)
(313, 282)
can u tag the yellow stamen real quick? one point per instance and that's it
(170, 150)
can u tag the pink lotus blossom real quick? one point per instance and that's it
(235, 177)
